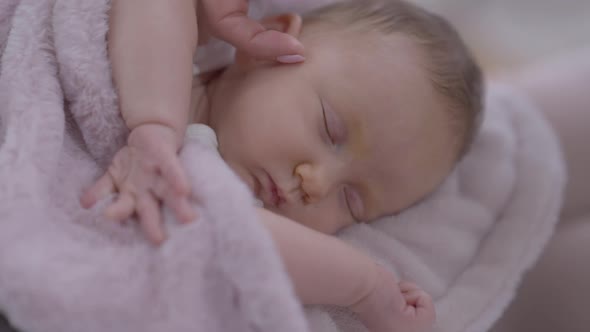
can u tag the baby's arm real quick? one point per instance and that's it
(325, 270)
(151, 45)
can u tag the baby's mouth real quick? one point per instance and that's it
(277, 194)
(268, 191)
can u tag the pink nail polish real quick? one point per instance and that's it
(293, 58)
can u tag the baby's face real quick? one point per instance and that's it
(354, 133)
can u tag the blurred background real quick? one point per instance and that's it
(507, 34)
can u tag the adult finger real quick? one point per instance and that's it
(148, 212)
(101, 188)
(229, 21)
(122, 208)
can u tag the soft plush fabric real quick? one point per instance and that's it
(66, 269)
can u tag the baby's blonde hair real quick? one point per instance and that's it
(453, 70)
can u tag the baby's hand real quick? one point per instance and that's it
(419, 313)
(393, 306)
(145, 172)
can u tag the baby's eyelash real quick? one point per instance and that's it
(326, 126)
(349, 207)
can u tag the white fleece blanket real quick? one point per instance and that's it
(66, 269)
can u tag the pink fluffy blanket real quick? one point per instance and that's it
(63, 268)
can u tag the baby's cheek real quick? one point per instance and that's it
(358, 142)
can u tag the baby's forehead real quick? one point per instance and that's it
(367, 56)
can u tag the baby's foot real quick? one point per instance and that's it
(393, 306)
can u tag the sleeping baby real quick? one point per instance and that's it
(377, 103)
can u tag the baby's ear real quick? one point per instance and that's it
(288, 23)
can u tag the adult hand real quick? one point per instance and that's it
(228, 20)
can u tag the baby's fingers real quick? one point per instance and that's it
(406, 286)
(148, 212)
(419, 304)
(101, 188)
(174, 174)
(414, 297)
(179, 204)
(122, 208)
(182, 208)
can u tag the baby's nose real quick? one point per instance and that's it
(316, 182)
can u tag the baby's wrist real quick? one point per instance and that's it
(378, 294)
(369, 290)
(167, 133)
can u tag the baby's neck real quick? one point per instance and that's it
(204, 86)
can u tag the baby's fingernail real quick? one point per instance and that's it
(190, 218)
(86, 200)
(109, 215)
(293, 58)
(83, 203)
(158, 239)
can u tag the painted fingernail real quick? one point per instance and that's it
(293, 58)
